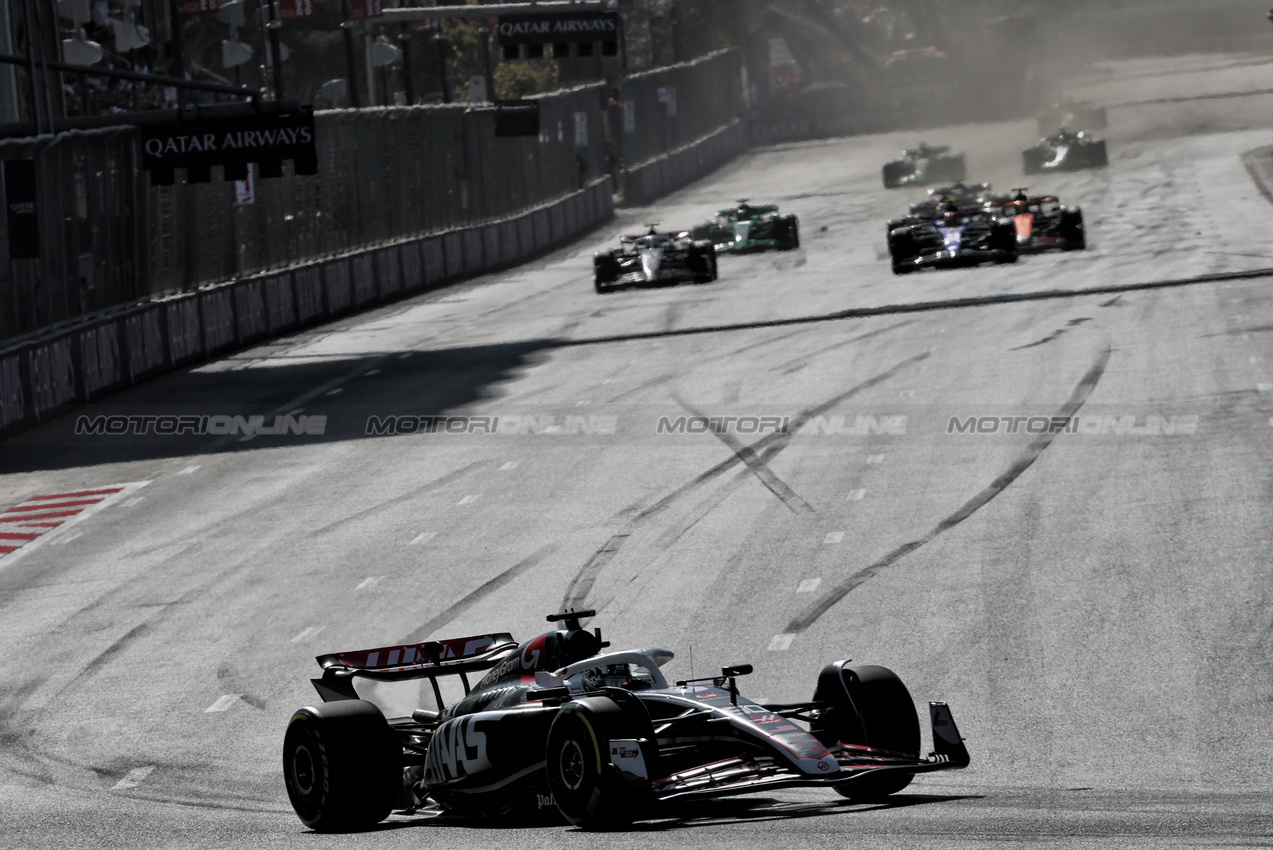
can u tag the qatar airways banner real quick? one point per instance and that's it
(558, 29)
(267, 140)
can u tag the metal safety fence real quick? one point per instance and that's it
(663, 110)
(91, 217)
(384, 174)
(108, 239)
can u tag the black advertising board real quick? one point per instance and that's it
(230, 142)
(516, 118)
(558, 29)
(20, 209)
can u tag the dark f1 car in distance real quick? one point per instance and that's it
(923, 166)
(969, 198)
(602, 738)
(653, 258)
(1041, 222)
(1065, 151)
(955, 238)
(748, 227)
(1074, 114)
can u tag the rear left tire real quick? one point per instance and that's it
(342, 766)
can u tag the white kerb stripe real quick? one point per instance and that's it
(782, 642)
(369, 581)
(857, 495)
(188, 470)
(223, 703)
(134, 777)
(307, 634)
(512, 464)
(809, 585)
(424, 537)
(833, 537)
(470, 499)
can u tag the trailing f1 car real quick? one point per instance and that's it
(1065, 151)
(653, 258)
(923, 166)
(750, 228)
(968, 198)
(1041, 222)
(955, 238)
(602, 738)
(1074, 114)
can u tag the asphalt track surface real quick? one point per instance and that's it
(1095, 606)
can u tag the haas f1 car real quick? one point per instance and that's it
(923, 166)
(603, 739)
(954, 238)
(751, 228)
(654, 258)
(1041, 222)
(1065, 151)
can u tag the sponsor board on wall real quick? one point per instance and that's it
(558, 29)
(20, 208)
(232, 143)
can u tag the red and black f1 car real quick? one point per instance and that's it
(1041, 222)
(602, 738)
(653, 258)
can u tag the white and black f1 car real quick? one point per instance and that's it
(1065, 151)
(954, 237)
(602, 738)
(653, 258)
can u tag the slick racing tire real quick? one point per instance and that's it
(605, 273)
(702, 261)
(868, 706)
(1073, 230)
(1097, 155)
(894, 172)
(342, 766)
(588, 790)
(789, 233)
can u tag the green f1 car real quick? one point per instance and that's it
(751, 228)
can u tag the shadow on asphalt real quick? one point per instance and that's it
(690, 814)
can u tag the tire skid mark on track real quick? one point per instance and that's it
(421, 634)
(765, 449)
(405, 497)
(1023, 462)
(104, 657)
(757, 466)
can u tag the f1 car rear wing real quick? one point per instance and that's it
(428, 660)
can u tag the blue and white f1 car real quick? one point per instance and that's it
(601, 737)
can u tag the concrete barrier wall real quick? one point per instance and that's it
(43, 378)
(650, 180)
